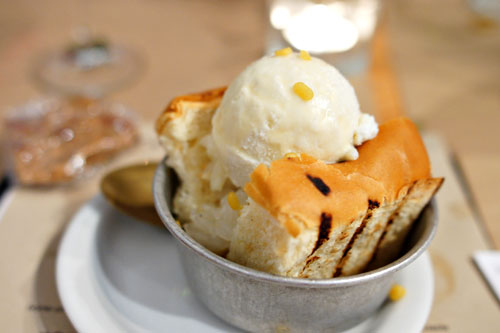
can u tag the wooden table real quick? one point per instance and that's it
(446, 65)
(447, 59)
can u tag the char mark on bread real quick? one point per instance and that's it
(324, 230)
(310, 260)
(371, 206)
(320, 184)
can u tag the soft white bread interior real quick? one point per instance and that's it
(184, 132)
(261, 242)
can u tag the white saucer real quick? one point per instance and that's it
(115, 274)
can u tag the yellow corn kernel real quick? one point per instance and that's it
(304, 55)
(282, 328)
(179, 223)
(397, 292)
(293, 156)
(303, 91)
(283, 52)
(233, 201)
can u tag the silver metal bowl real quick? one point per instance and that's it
(261, 302)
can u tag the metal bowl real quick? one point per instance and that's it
(261, 302)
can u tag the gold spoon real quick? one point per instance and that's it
(129, 189)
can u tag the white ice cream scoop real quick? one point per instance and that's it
(261, 117)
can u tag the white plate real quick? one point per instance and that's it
(115, 274)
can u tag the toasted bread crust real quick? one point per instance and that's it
(204, 100)
(400, 222)
(290, 188)
(367, 203)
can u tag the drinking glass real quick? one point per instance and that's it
(339, 31)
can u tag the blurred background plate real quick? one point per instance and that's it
(92, 75)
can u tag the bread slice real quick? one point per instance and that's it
(184, 131)
(181, 129)
(350, 208)
(189, 116)
(263, 243)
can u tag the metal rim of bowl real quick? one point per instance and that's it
(161, 205)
